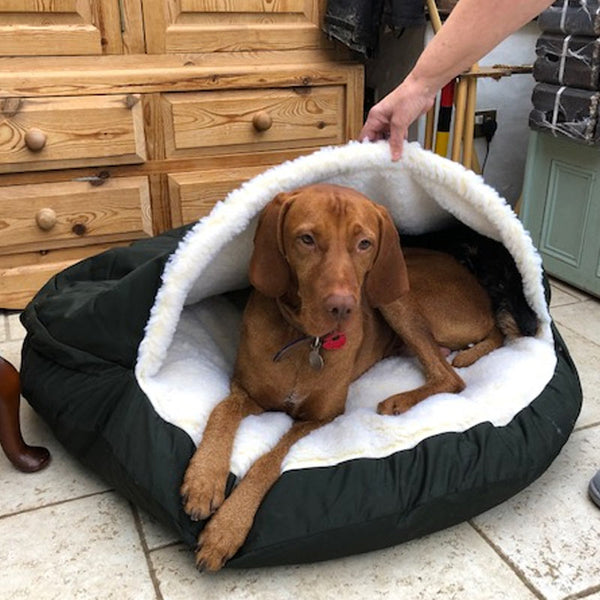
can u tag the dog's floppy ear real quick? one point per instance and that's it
(388, 279)
(269, 271)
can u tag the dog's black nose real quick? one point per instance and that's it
(339, 306)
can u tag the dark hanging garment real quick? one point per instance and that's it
(356, 23)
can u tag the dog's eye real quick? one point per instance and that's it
(364, 244)
(307, 239)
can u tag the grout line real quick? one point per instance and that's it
(562, 325)
(583, 594)
(146, 550)
(567, 303)
(511, 564)
(587, 426)
(51, 504)
(166, 545)
(569, 289)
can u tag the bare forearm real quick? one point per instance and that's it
(473, 29)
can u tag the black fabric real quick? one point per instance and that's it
(78, 375)
(356, 23)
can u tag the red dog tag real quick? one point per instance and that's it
(334, 340)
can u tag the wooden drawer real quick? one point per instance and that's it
(46, 216)
(62, 132)
(193, 195)
(252, 120)
(22, 275)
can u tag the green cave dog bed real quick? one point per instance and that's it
(127, 353)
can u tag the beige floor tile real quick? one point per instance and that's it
(562, 295)
(3, 328)
(586, 355)
(570, 289)
(85, 549)
(455, 563)
(11, 351)
(582, 317)
(156, 534)
(551, 529)
(16, 331)
(64, 478)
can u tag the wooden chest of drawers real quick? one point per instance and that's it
(156, 111)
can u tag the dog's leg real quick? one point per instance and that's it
(227, 530)
(467, 357)
(405, 319)
(203, 488)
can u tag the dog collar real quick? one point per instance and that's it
(332, 341)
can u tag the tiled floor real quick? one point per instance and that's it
(66, 535)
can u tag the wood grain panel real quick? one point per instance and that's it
(197, 123)
(118, 209)
(242, 6)
(79, 131)
(59, 27)
(237, 37)
(193, 195)
(226, 25)
(26, 77)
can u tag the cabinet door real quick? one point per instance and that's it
(561, 208)
(63, 27)
(232, 25)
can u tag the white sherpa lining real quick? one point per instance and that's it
(186, 358)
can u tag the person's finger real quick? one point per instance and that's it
(396, 139)
(372, 130)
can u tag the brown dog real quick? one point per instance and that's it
(331, 298)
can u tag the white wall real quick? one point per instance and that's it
(511, 97)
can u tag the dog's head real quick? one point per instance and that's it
(322, 248)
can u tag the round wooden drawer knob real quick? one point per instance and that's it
(35, 139)
(262, 121)
(45, 219)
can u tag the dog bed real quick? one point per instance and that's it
(127, 353)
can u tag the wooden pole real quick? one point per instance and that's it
(434, 15)
(459, 118)
(469, 129)
(429, 122)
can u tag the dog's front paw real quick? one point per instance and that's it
(222, 537)
(215, 548)
(203, 490)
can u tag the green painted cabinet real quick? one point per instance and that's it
(561, 208)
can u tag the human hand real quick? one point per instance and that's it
(391, 117)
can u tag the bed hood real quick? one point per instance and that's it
(186, 357)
